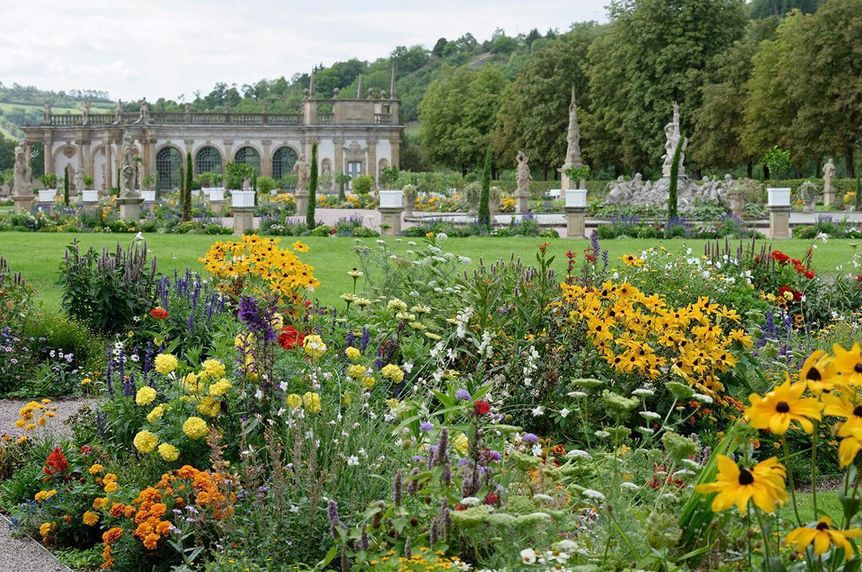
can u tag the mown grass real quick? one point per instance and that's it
(38, 255)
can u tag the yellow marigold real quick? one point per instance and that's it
(46, 528)
(294, 401)
(95, 469)
(45, 495)
(111, 487)
(156, 414)
(393, 372)
(195, 428)
(145, 441)
(368, 382)
(352, 353)
(311, 401)
(100, 502)
(145, 395)
(209, 406)
(356, 371)
(166, 363)
(213, 368)
(168, 452)
(90, 518)
(220, 387)
(314, 346)
(191, 383)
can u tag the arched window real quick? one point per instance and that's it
(168, 166)
(249, 156)
(282, 162)
(208, 160)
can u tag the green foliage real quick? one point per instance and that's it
(49, 180)
(265, 184)
(362, 184)
(66, 186)
(312, 189)
(777, 160)
(186, 190)
(342, 179)
(236, 173)
(485, 197)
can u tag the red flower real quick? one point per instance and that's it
(491, 498)
(56, 463)
(158, 313)
(797, 295)
(859, 278)
(809, 274)
(290, 337)
(481, 407)
(780, 257)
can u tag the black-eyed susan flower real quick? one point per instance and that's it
(817, 372)
(822, 536)
(763, 484)
(848, 364)
(838, 405)
(781, 406)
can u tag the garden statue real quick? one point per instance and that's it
(672, 139)
(78, 184)
(118, 112)
(473, 193)
(21, 179)
(524, 178)
(828, 189)
(573, 146)
(808, 192)
(144, 119)
(46, 113)
(86, 109)
(409, 199)
(128, 168)
(303, 173)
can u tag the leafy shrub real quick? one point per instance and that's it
(265, 184)
(362, 184)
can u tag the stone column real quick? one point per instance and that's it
(109, 169)
(228, 154)
(372, 158)
(779, 222)
(395, 145)
(391, 223)
(243, 219)
(150, 168)
(266, 159)
(522, 202)
(130, 207)
(190, 143)
(737, 206)
(828, 195)
(301, 202)
(48, 143)
(338, 161)
(576, 222)
(82, 163)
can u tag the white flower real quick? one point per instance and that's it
(470, 501)
(352, 461)
(822, 236)
(577, 394)
(702, 398)
(578, 454)
(650, 415)
(442, 236)
(567, 545)
(602, 434)
(643, 392)
(593, 495)
(528, 556)
(564, 412)
(538, 411)
(629, 486)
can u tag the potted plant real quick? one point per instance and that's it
(149, 191)
(238, 178)
(777, 160)
(49, 181)
(409, 199)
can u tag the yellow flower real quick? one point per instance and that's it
(46, 528)
(311, 401)
(90, 518)
(209, 406)
(848, 364)
(156, 414)
(100, 502)
(145, 441)
(95, 469)
(300, 246)
(168, 452)
(818, 372)
(352, 353)
(632, 260)
(764, 484)
(86, 381)
(822, 536)
(294, 401)
(220, 387)
(195, 428)
(166, 363)
(191, 383)
(145, 395)
(111, 486)
(314, 346)
(213, 368)
(461, 443)
(44, 495)
(393, 372)
(849, 448)
(356, 371)
(368, 382)
(781, 406)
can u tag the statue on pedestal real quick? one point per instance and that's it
(672, 139)
(828, 189)
(524, 178)
(87, 108)
(118, 112)
(22, 173)
(303, 173)
(128, 168)
(46, 113)
(573, 145)
(79, 181)
(144, 119)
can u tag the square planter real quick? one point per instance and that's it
(778, 197)
(216, 194)
(148, 196)
(242, 199)
(90, 196)
(576, 198)
(391, 199)
(47, 195)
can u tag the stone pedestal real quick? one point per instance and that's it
(217, 207)
(243, 219)
(522, 204)
(828, 196)
(737, 206)
(576, 222)
(391, 223)
(301, 203)
(23, 203)
(779, 222)
(130, 207)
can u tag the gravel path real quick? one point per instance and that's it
(25, 554)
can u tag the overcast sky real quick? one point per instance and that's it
(166, 48)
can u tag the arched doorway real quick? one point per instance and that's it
(169, 163)
(282, 162)
(208, 160)
(249, 156)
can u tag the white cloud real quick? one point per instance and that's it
(162, 48)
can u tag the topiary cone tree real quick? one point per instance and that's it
(312, 189)
(66, 186)
(187, 190)
(673, 192)
(485, 196)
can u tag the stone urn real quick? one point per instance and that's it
(410, 193)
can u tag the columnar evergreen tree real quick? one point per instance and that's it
(485, 197)
(673, 196)
(66, 186)
(187, 189)
(312, 189)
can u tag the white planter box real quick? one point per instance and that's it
(779, 197)
(391, 199)
(90, 196)
(216, 195)
(242, 199)
(148, 196)
(576, 198)
(47, 195)
(555, 193)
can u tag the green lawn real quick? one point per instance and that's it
(38, 255)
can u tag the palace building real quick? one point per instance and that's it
(354, 136)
